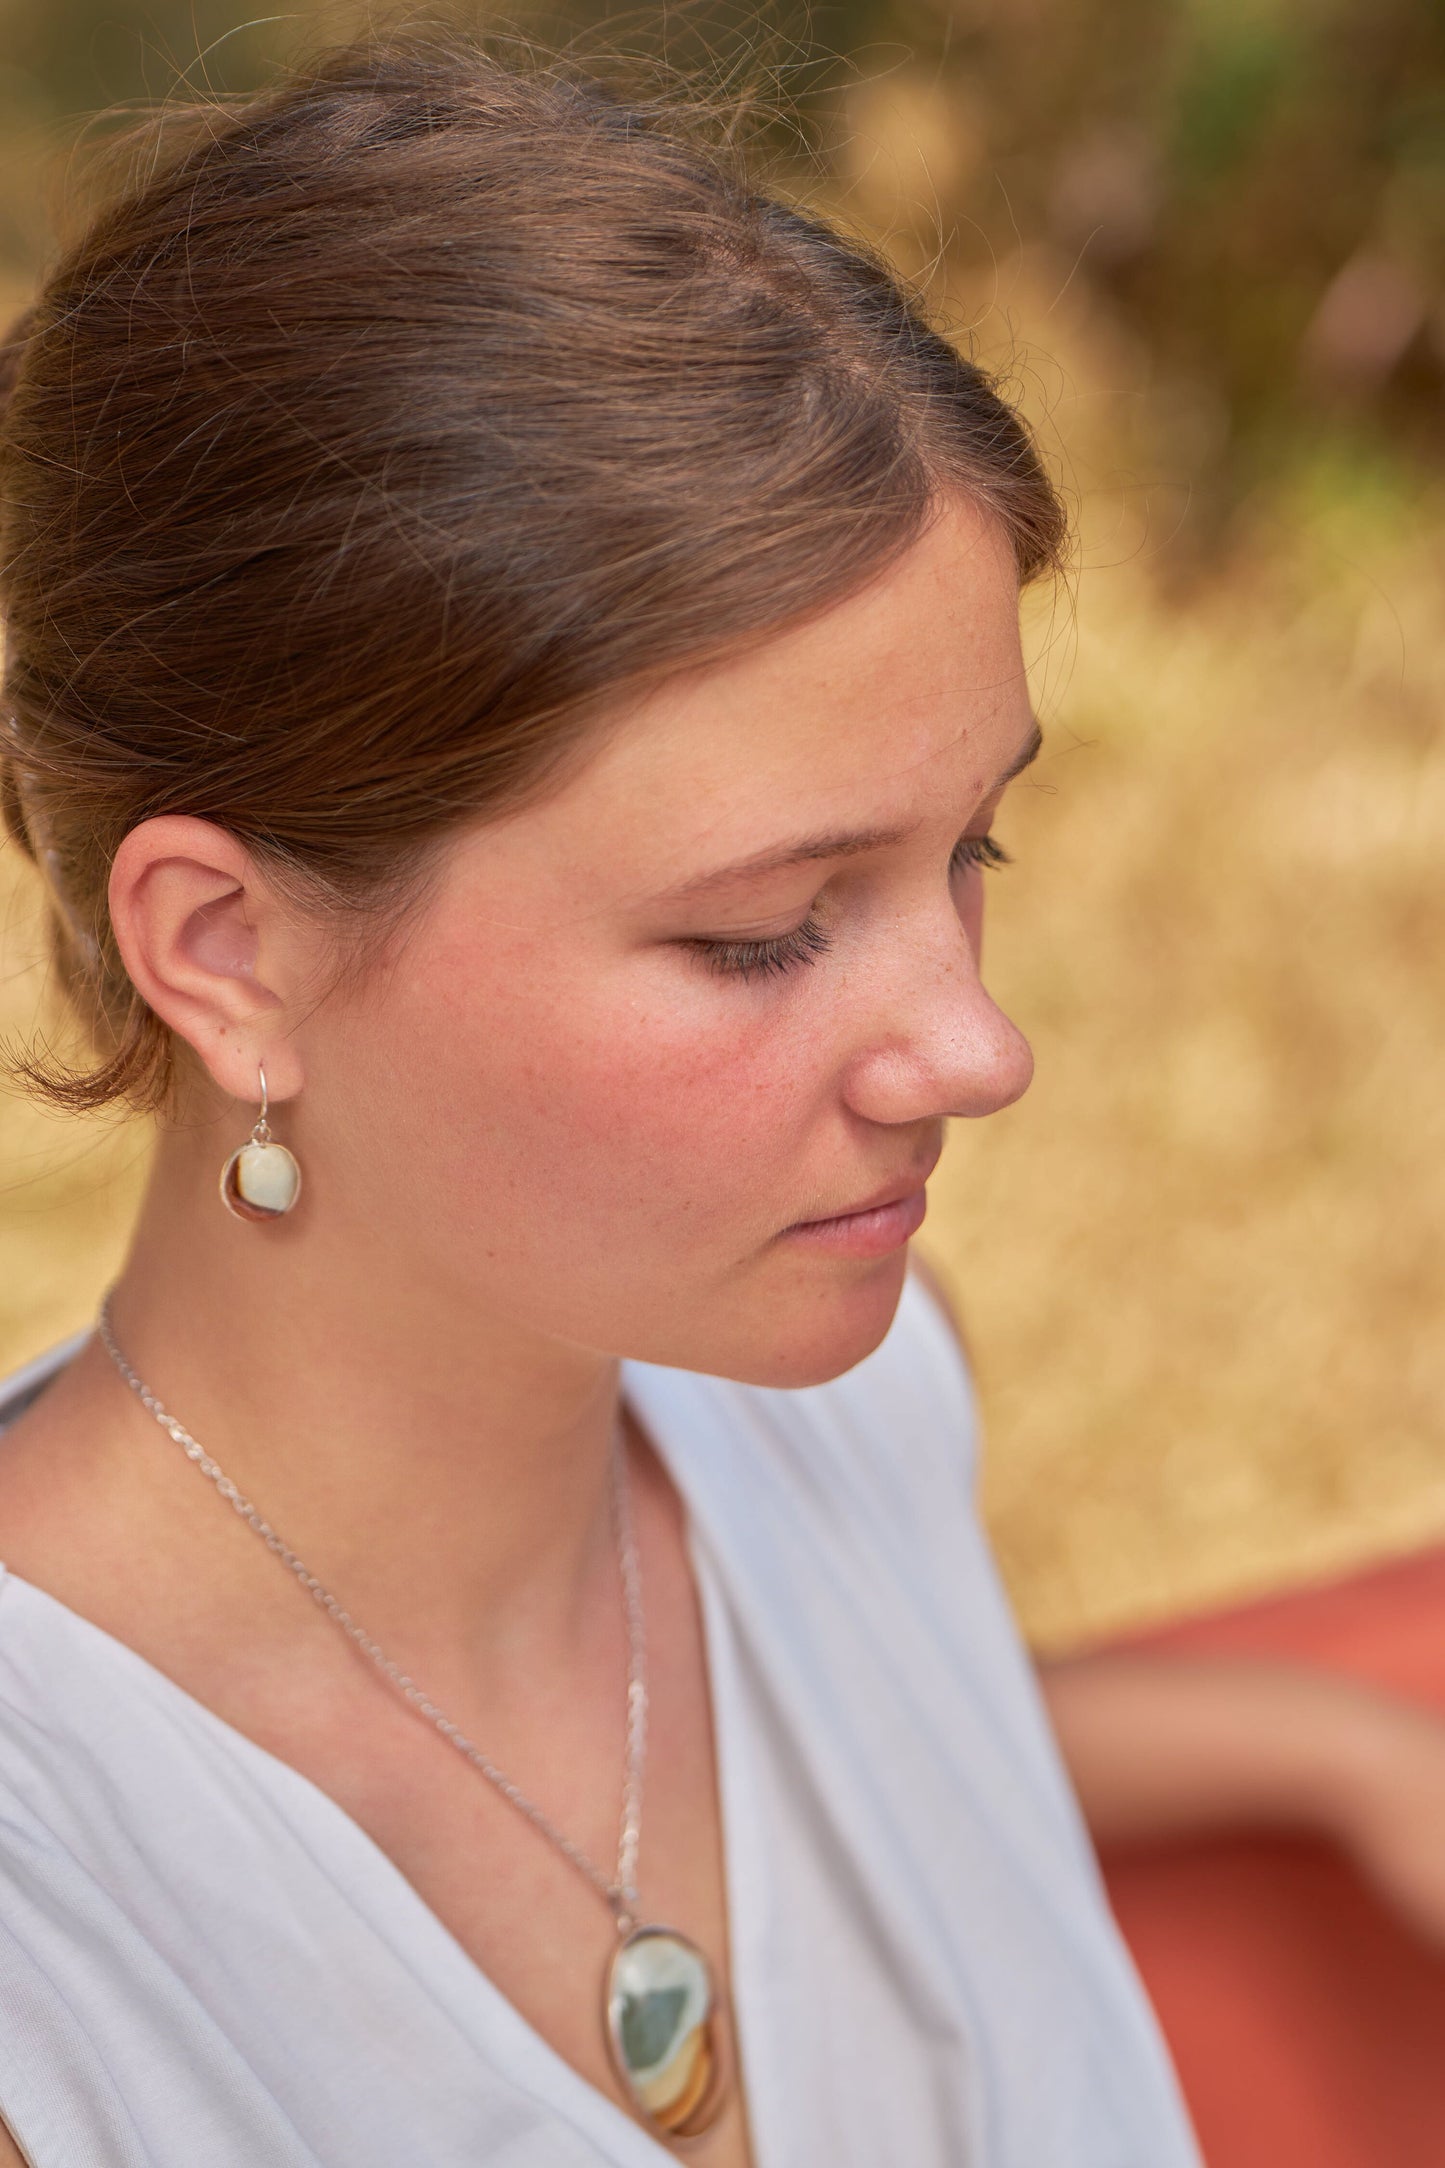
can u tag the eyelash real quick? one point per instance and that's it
(764, 959)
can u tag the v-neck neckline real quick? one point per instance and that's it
(626, 2143)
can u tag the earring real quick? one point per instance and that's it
(261, 1180)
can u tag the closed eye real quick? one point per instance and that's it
(978, 851)
(766, 959)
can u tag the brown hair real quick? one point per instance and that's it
(386, 425)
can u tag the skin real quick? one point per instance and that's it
(545, 1135)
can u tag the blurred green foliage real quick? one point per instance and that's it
(1250, 192)
(1247, 195)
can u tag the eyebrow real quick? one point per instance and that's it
(837, 843)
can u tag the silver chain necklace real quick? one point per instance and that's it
(659, 1999)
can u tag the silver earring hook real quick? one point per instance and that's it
(261, 1134)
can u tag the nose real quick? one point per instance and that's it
(941, 1044)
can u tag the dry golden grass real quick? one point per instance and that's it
(1203, 1259)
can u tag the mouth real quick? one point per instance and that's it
(903, 1186)
(875, 1226)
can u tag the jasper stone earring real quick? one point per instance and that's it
(261, 1180)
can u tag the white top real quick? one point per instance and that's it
(205, 1963)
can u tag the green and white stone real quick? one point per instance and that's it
(659, 2021)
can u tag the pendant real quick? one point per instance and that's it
(660, 2006)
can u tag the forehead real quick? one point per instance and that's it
(899, 702)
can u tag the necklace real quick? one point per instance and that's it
(659, 2002)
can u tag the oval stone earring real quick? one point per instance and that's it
(261, 1180)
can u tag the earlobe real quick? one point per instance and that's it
(199, 932)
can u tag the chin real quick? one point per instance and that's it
(825, 1318)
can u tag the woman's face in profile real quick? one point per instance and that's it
(610, 1071)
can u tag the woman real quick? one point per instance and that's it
(512, 662)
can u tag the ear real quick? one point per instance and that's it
(211, 948)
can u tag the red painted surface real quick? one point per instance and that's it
(1307, 2025)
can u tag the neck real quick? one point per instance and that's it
(434, 1465)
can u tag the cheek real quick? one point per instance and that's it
(606, 1156)
(641, 1100)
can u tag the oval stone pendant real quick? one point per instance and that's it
(661, 2005)
(260, 1181)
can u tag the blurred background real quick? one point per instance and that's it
(1201, 1263)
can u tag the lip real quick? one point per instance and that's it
(877, 1225)
(871, 1233)
(903, 1185)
